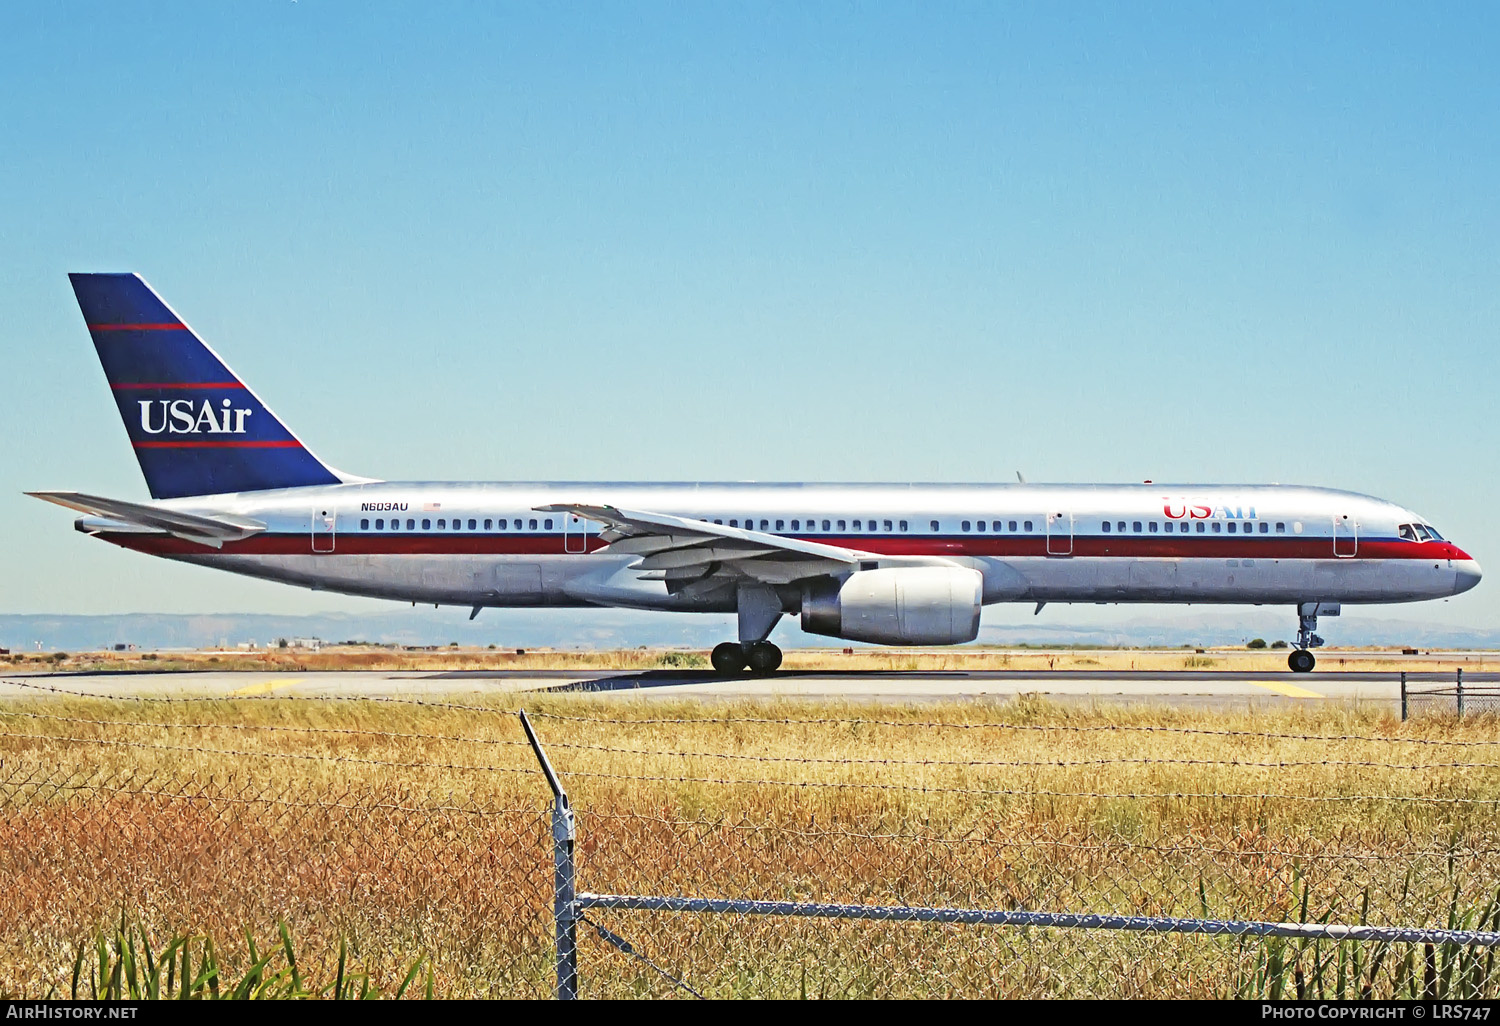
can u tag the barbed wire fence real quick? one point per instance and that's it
(758, 855)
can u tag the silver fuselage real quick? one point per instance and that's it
(484, 544)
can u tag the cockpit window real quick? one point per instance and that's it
(1408, 532)
(1430, 530)
(1425, 533)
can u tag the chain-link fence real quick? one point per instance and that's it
(1458, 699)
(742, 850)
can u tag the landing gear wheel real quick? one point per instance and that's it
(1301, 661)
(764, 657)
(728, 658)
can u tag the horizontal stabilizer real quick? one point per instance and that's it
(212, 530)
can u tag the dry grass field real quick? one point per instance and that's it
(418, 830)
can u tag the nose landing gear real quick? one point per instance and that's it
(1302, 661)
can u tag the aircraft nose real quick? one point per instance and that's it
(1466, 574)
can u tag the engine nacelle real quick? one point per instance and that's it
(919, 605)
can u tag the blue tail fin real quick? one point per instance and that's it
(196, 428)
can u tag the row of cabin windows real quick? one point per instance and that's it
(995, 526)
(1211, 526)
(828, 525)
(490, 524)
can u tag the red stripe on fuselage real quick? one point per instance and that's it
(278, 444)
(138, 327)
(175, 384)
(369, 543)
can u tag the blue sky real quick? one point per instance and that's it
(1229, 242)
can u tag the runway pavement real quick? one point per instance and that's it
(1191, 687)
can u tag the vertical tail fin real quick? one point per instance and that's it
(197, 429)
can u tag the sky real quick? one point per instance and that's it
(1238, 242)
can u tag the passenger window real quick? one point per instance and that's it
(997, 525)
(964, 526)
(796, 525)
(547, 523)
(826, 527)
(1296, 527)
(766, 523)
(934, 525)
(887, 525)
(395, 525)
(719, 522)
(364, 525)
(515, 524)
(979, 526)
(1265, 528)
(457, 524)
(1280, 527)
(1153, 527)
(841, 526)
(1136, 526)
(1106, 527)
(1218, 527)
(1231, 527)
(442, 524)
(1028, 525)
(426, 524)
(532, 523)
(488, 522)
(856, 525)
(473, 525)
(903, 525)
(781, 525)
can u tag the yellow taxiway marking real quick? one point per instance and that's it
(1289, 690)
(265, 687)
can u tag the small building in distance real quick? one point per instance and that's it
(306, 644)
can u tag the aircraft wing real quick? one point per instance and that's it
(678, 548)
(213, 530)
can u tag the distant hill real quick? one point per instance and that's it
(618, 628)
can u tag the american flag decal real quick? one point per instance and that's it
(431, 507)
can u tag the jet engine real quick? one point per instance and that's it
(920, 605)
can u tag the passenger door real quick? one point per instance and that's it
(575, 533)
(1059, 534)
(1345, 535)
(323, 521)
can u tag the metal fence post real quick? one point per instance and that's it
(564, 880)
(1459, 691)
(1403, 696)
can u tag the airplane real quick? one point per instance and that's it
(892, 564)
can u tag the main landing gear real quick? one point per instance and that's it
(733, 657)
(1302, 661)
(759, 607)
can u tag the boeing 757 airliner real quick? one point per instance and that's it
(894, 564)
